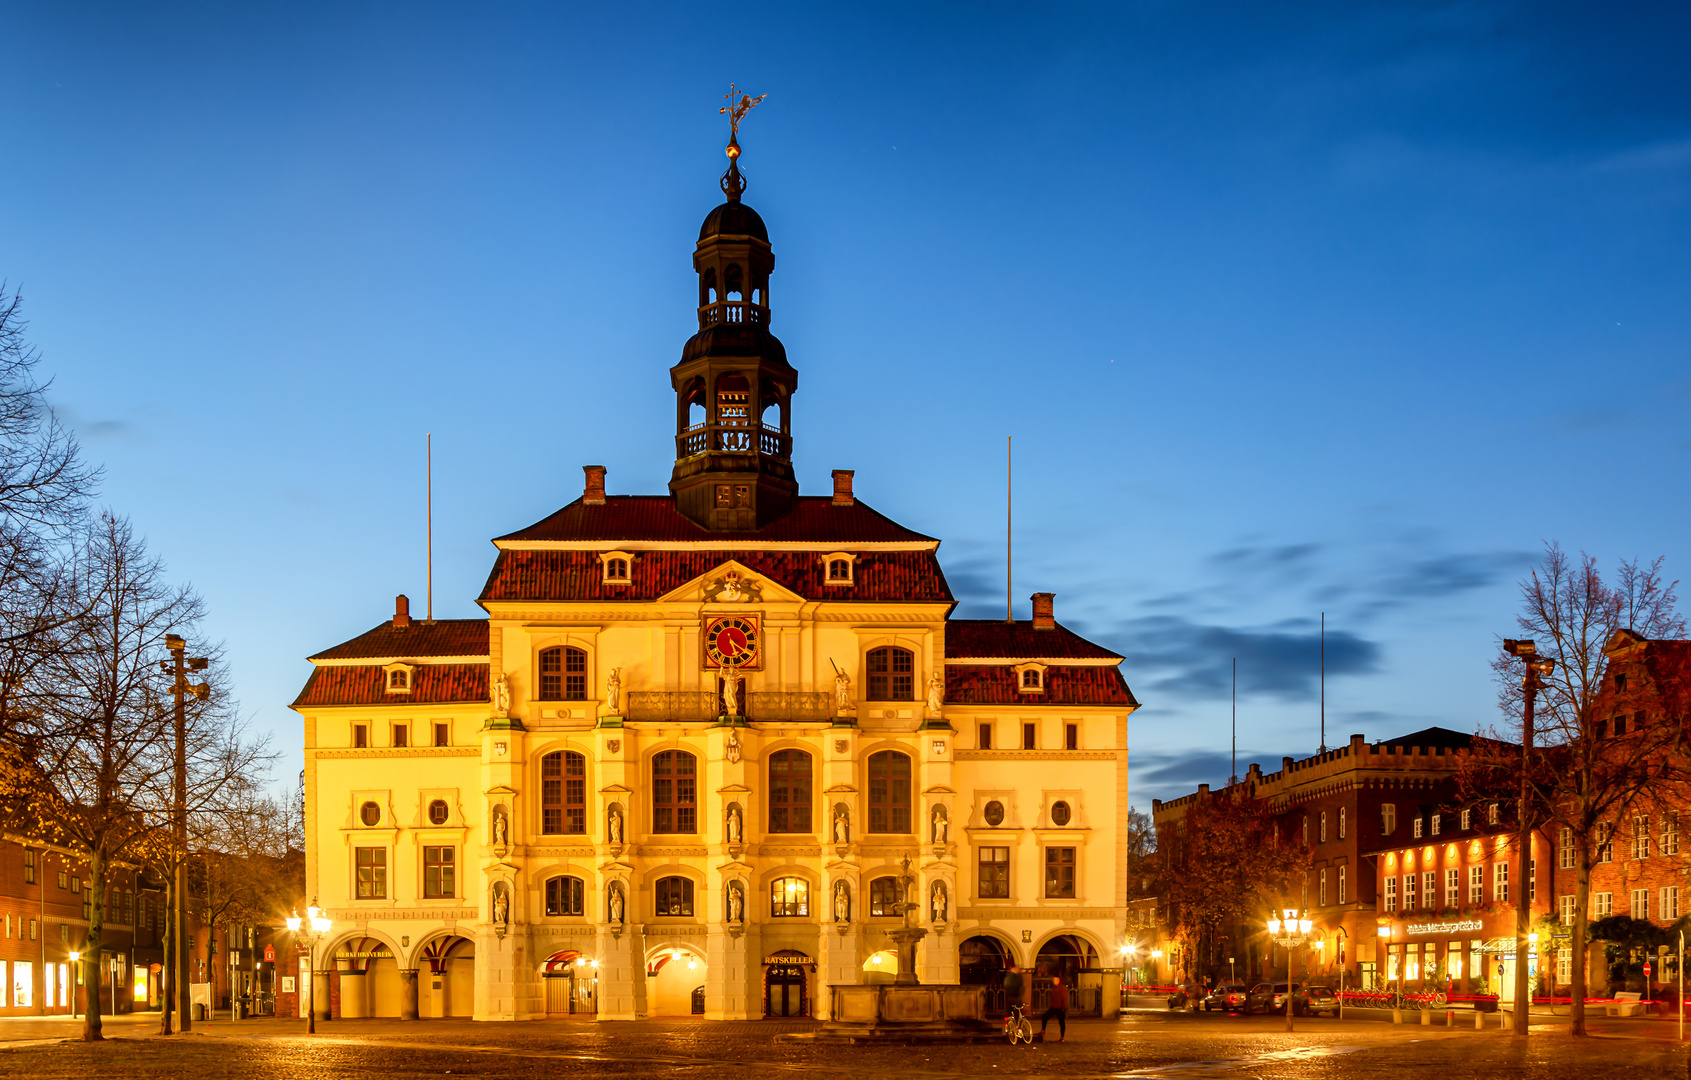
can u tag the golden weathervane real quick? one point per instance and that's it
(736, 111)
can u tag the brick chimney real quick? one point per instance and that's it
(1044, 617)
(842, 487)
(594, 493)
(401, 612)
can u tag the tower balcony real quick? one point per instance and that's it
(732, 312)
(737, 438)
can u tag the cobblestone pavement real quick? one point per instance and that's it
(1140, 1046)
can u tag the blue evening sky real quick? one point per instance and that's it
(1291, 308)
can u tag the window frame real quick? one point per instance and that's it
(557, 906)
(883, 681)
(992, 875)
(672, 813)
(793, 906)
(612, 561)
(1067, 872)
(880, 907)
(674, 891)
(831, 566)
(791, 797)
(884, 809)
(440, 872)
(374, 885)
(563, 795)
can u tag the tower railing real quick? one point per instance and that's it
(732, 312)
(733, 438)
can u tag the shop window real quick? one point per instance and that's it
(563, 793)
(565, 896)
(889, 792)
(674, 896)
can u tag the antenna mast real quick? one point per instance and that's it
(1009, 612)
(430, 526)
(1234, 779)
(1323, 682)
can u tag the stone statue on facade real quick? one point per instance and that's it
(614, 825)
(842, 902)
(942, 825)
(501, 906)
(615, 904)
(936, 693)
(736, 903)
(842, 825)
(613, 691)
(730, 692)
(842, 692)
(733, 825)
(501, 829)
(937, 901)
(501, 695)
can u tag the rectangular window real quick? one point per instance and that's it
(360, 735)
(1605, 842)
(1670, 834)
(402, 734)
(64, 880)
(1667, 909)
(1059, 873)
(442, 734)
(789, 792)
(372, 865)
(23, 984)
(1342, 894)
(1564, 965)
(1030, 736)
(1565, 850)
(1491, 813)
(1323, 827)
(1322, 887)
(1388, 818)
(1568, 909)
(1305, 826)
(1641, 836)
(28, 867)
(1467, 820)
(1476, 884)
(1452, 887)
(1437, 820)
(1416, 828)
(564, 896)
(1409, 892)
(1071, 736)
(1341, 823)
(1391, 894)
(1430, 889)
(1500, 882)
(675, 792)
(986, 737)
(889, 792)
(1640, 904)
(32, 929)
(675, 896)
(1602, 905)
(1532, 880)
(440, 872)
(995, 873)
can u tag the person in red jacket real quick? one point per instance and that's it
(1059, 1008)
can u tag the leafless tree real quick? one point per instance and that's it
(1582, 778)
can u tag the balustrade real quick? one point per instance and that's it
(735, 438)
(732, 312)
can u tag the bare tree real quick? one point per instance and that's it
(1581, 777)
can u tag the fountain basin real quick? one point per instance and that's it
(921, 1011)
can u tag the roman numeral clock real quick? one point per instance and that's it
(733, 641)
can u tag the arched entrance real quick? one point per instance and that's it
(786, 983)
(446, 978)
(983, 960)
(678, 972)
(369, 978)
(572, 984)
(1074, 960)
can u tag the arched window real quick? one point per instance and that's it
(673, 896)
(675, 793)
(1030, 679)
(883, 894)
(563, 674)
(563, 793)
(564, 896)
(889, 792)
(789, 791)
(892, 674)
(789, 897)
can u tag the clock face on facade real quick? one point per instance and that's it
(733, 641)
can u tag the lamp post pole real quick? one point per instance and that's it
(315, 924)
(1297, 932)
(181, 690)
(1531, 681)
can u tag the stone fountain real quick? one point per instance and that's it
(906, 1008)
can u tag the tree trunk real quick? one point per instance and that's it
(1582, 900)
(91, 956)
(168, 968)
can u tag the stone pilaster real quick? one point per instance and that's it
(408, 993)
(731, 965)
(837, 963)
(622, 973)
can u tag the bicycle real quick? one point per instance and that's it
(1017, 1026)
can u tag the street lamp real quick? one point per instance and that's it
(313, 927)
(1537, 667)
(1289, 931)
(75, 972)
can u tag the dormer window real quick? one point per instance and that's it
(617, 566)
(839, 567)
(1030, 678)
(397, 678)
(1417, 827)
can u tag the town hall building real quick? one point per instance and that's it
(707, 747)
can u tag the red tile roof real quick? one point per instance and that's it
(431, 684)
(442, 637)
(654, 518)
(988, 639)
(554, 575)
(996, 685)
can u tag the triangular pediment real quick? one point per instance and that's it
(731, 584)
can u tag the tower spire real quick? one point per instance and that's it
(734, 184)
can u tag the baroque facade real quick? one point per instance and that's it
(707, 747)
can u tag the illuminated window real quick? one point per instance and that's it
(563, 674)
(789, 897)
(674, 896)
(883, 895)
(565, 896)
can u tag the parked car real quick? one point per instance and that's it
(1271, 997)
(1228, 997)
(1316, 1000)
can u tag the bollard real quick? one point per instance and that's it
(1450, 1018)
(1426, 1018)
(1397, 1016)
(1479, 1020)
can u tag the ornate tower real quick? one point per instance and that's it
(733, 386)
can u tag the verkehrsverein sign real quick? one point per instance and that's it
(1456, 926)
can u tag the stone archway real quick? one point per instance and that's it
(676, 972)
(984, 960)
(446, 977)
(572, 984)
(1074, 959)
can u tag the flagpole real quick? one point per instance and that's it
(429, 469)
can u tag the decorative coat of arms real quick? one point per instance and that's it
(730, 588)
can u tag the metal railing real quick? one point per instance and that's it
(673, 705)
(797, 705)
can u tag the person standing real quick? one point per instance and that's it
(1059, 1008)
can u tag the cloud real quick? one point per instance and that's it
(1662, 155)
(1281, 660)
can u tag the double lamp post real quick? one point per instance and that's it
(1289, 932)
(311, 928)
